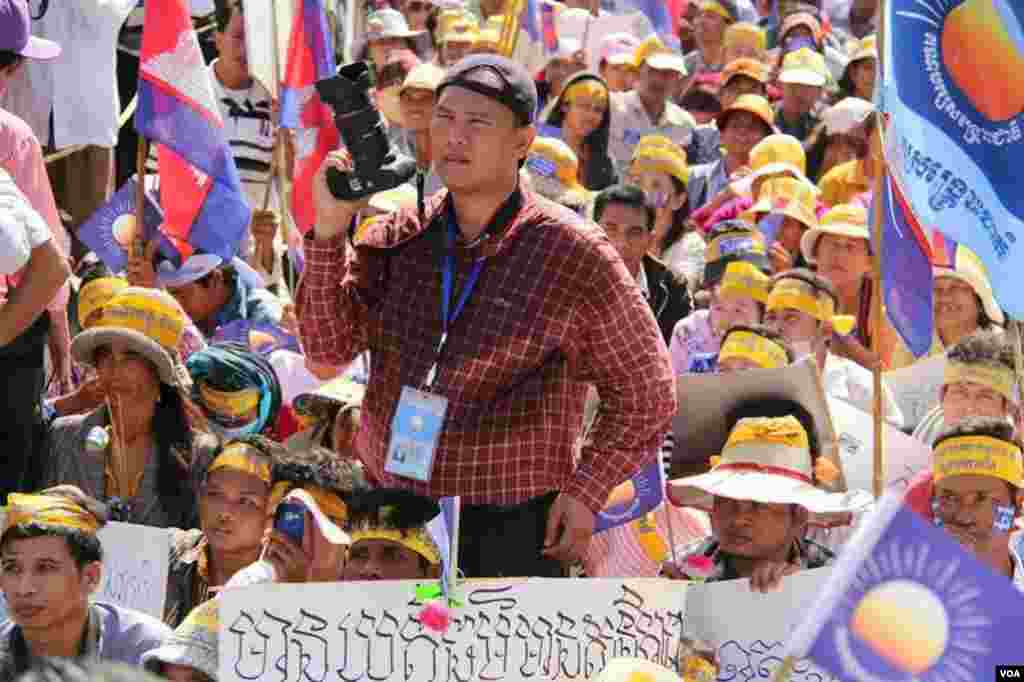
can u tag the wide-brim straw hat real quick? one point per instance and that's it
(844, 220)
(193, 644)
(970, 270)
(148, 321)
(706, 400)
(768, 460)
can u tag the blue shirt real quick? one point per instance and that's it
(255, 305)
(114, 633)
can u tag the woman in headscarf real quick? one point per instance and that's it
(236, 388)
(134, 451)
(582, 112)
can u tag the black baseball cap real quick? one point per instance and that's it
(498, 78)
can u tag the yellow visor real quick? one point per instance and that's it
(1000, 379)
(744, 280)
(799, 295)
(978, 456)
(417, 539)
(766, 353)
(49, 510)
(244, 458)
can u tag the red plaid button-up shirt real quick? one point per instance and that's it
(553, 310)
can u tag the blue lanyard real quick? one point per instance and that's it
(448, 314)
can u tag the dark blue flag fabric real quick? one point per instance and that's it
(906, 602)
(906, 271)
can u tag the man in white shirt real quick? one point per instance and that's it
(649, 109)
(801, 308)
(247, 109)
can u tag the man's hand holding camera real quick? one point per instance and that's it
(332, 215)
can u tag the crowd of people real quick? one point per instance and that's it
(510, 327)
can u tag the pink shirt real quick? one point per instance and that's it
(692, 335)
(22, 157)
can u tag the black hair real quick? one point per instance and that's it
(223, 11)
(627, 195)
(268, 451)
(680, 217)
(177, 423)
(999, 429)
(699, 99)
(228, 272)
(983, 347)
(85, 548)
(406, 510)
(765, 332)
(597, 170)
(78, 670)
(94, 270)
(321, 467)
(812, 279)
(8, 57)
(775, 408)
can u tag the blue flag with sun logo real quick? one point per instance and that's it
(110, 230)
(906, 602)
(952, 86)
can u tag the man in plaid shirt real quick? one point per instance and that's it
(550, 308)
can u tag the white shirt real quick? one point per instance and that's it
(80, 85)
(630, 122)
(22, 229)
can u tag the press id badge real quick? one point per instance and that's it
(415, 431)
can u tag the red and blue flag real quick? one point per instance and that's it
(906, 271)
(200, 192)
(310, 58)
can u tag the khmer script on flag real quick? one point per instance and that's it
(952, 86)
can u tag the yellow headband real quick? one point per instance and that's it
(330, 503)
(588, 88)
(416, 539)
(743, 344)
(997, 377)
(778, 430)
(244, 458)
(717, 8)
(744, 280)
(229, 403)
(978, 456)
(799, 295)
(97, 293)
(49, 510)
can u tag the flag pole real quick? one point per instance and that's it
(141, 152)
(877, 316)
(788, 665)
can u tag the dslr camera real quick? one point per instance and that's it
(376, 166)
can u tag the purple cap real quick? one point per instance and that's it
(15, 36)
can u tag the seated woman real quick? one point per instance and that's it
(136, 450)
(234, 492)
(582, 112)
(660, 169)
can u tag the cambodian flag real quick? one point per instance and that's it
(906, 271)
(200, 192)
(943, 250)
(310, 58)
